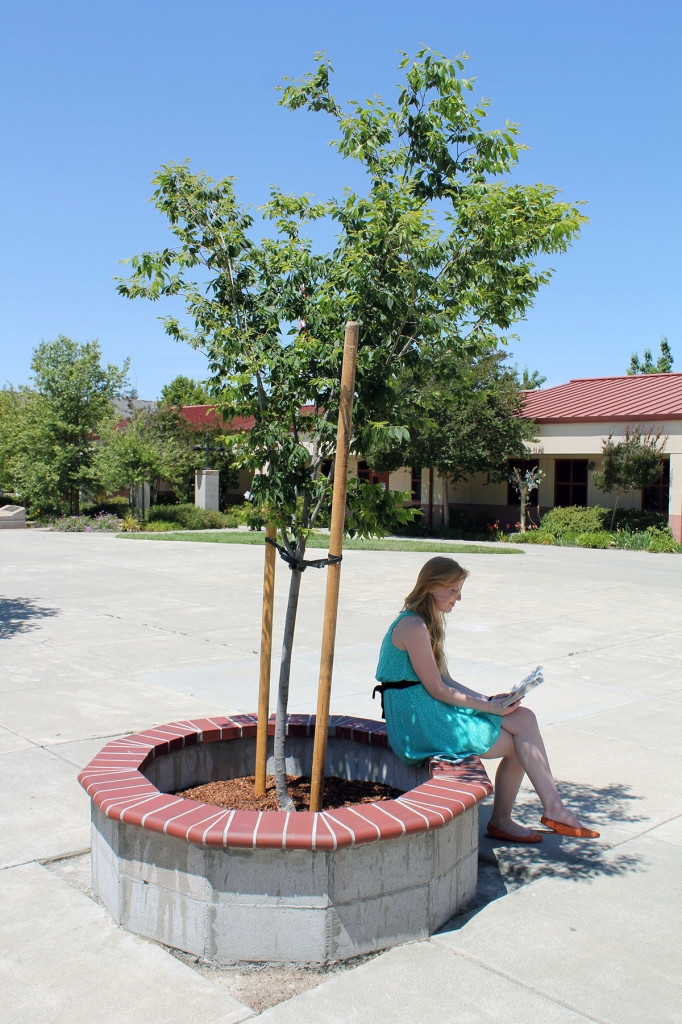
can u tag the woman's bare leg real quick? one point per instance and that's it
(529, 751)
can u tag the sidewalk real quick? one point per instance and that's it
(104, 635)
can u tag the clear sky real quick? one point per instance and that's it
(97, 96)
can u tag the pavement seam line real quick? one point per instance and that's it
(521, 984)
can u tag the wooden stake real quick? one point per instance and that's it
(265, 661)
(343, 437)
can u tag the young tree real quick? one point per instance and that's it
(432, 255)
(185, 391)
(663, 364)
(51, 450)
(631, 464)
(524, 484)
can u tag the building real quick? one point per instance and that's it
(573, 421)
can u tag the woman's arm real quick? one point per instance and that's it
(411, 635)
(449, 681)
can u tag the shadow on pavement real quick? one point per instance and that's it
(21, 614)
(504, 868)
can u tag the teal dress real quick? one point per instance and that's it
(418, 725)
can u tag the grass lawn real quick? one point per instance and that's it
(318, 540)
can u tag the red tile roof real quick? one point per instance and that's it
(647, 396)
(202, 416)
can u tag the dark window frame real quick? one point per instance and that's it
(570, 488)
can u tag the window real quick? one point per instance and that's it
(370, 476)
(656, 498)
(416, 484)
(570, 482)
(523, 465)
(364, 471)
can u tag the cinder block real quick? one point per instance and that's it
(377, 869)
(370, 924)
(467, 879)
(164, 861)
(297, 877)
(171, 918)
(256, 933)
(455, 840)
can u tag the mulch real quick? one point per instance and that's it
(238, 794)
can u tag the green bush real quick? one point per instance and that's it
(635, 519)
(658, 540)
(575, 519)
(594, 539)
(189, 517)
(117, 506)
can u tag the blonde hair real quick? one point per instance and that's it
(437, 572)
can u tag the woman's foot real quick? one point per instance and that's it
(511, 832)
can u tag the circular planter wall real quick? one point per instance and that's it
(269, 886)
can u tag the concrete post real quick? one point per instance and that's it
(675, 501)
(207, 489)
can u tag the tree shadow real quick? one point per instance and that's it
(20, 615)
(504, 868)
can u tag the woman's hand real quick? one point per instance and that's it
(496, 705)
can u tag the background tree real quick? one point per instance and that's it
(663, 364)
(186, 391)
(631, 464)
(50, 451)
(136, 451)
(468, 415)
(431, 256)
(532, 380)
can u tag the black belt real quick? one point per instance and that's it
(401, 684)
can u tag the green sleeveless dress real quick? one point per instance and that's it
(418, 725)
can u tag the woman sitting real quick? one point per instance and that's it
(429, 714)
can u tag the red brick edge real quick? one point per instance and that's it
(115, 782)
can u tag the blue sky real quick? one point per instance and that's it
(98, 96)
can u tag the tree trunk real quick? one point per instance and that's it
(613, 514)
(446, 500)
(284, 801)
(522, 508)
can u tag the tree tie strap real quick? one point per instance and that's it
(301, 563)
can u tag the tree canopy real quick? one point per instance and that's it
(473, 421)
(48, 455)
(631, 464)
(186, 391)
(663, 364)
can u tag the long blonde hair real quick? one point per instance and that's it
(437, 572)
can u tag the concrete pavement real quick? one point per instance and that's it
(104, 635)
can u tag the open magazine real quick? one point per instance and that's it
(527, 684)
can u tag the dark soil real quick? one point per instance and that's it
(238, 794)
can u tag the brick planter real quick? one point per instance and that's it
(273, 887)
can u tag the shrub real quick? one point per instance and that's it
(635, 519)
(189, 517)
(105, 522)
(116, 506)
(655, 539)
(595, 539)
(575, 519)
